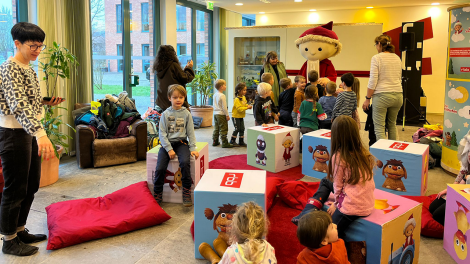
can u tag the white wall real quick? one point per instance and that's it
(436, 48)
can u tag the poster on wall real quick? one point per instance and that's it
(458, 66)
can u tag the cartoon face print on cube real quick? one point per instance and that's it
(174, 180)
(461, 237)
(260, 154)
(393, 171)
(288, 144)
(402, 167)
(222, 220)
(321, 157)
(457, 222)
(405, 253)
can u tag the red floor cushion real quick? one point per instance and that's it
(271, 190)
(77, 221)
(429, 226)
(296, 193)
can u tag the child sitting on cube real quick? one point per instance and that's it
(319, 235)
(176, 126)
(264, 110)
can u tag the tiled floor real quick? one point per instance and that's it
(171, 241)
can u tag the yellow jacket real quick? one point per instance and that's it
(239, 107)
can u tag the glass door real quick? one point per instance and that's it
(184, 39)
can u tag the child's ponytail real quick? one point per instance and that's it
(311, 92)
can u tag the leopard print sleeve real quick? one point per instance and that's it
(20, 96)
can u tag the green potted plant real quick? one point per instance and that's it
(203, 86)
(57, 62)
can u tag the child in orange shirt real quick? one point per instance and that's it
(317, 232)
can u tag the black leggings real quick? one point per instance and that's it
(438, 210)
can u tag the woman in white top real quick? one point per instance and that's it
(385, 88)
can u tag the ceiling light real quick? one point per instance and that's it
(370, 7)
(312, 10)
(261, 12)
(265, 1)
(239, 4)
(297, 0)
(435, 4)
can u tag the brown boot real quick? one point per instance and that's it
(208, 253)
(220, 246)
(187, 202)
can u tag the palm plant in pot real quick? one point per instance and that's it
(57, 62)
(202, 86)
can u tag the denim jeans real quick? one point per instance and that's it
(386, 107)
(182, 151)
(22, 173)
(239, 125)
(341, 220)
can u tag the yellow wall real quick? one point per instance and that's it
(436, 48)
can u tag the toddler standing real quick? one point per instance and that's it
(286, 103)
(176, 126)
(238, 113)
(313, 80)
(349, 177)
(221, 116)
(328, 103)
(346, 102)
(264, 110)
(299, 97)
(317, 232)
(310, 111)
(249, 227)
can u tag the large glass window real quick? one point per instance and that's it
(248, 20)
(7, 20)
(181, 14)
(181, 49)
(120, 62)
(202, 38)
(145, 17)
(145, 52)
(119, 17)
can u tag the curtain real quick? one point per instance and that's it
(67, 22)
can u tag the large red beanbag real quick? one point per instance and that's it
(77, 221)
(296, 193)
(271, 190)
(429, 226)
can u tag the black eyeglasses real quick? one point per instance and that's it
(36, 47)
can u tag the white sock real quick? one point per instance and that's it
(9, 237)
(20, 228)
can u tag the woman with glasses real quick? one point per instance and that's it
(385, 88)
(22, 139)
(277, 69)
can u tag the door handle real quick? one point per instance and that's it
(133, 80)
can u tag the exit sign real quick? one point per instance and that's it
(210, 5)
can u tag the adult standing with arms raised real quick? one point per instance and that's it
(277, 69)
(169, 71)
(22, 138)
(385, 88)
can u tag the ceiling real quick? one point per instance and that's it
(279, 6)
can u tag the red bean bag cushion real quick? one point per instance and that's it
(76, 221)
(429, 226)
(296, 193)
(271, 190)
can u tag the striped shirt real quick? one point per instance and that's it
(385, 73)
(346, 104)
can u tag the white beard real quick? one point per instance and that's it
(313, 65)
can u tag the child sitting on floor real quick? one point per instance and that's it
(317, 232)
(176, 126)
(328, 103)
(350, 177)
(249, 228)
(264, 109)
(238, 113)
(286, 103)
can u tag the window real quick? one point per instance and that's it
(145, 17)
(200, 49)
(7, 20)
(145, 52)
(181, 49)
(200, 21)
(120, 62)
(180, 18)
(248, 20)
(119, 18)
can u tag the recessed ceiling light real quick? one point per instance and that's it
(297, 0)
(435, 4)
(261, 12)
(312, 10)
(370, 7)
(239, 4)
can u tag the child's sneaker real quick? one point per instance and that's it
(215, 143)
(233, 141)
(308, 208)
(187, 201)
(158, 197)
(241, 143)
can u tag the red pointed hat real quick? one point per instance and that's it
(288, 137)
(411, 221)
(323, 33)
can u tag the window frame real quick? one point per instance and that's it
(178, 46)
(119, 27)
(144, 14)
(177, 19)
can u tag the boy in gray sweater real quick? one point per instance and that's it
(221, 116)
(176, 126)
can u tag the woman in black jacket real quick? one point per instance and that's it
(169, 72)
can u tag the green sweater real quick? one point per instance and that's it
(308, 116)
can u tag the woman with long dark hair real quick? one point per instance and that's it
(277, 69)
(169, 71)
